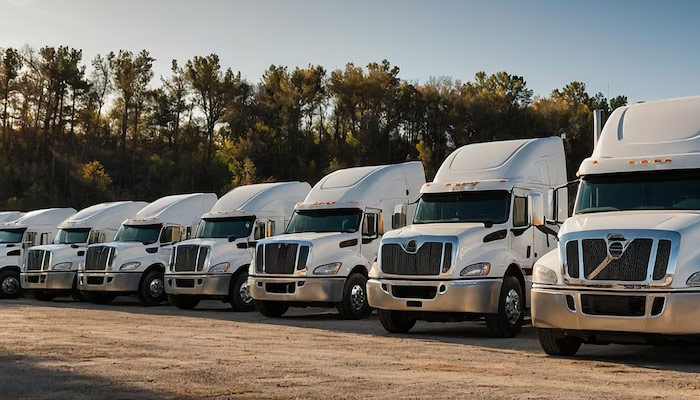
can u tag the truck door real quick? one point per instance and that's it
(370, 233)
(522, 232)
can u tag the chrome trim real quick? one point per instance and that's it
(420, 241)
(629, 235)
(299, 243)
(205, 266)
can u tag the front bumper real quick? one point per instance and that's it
(203, 284)
(47, 280)
(298, 289)
(469, 296)
(680, 314)
(109, 281)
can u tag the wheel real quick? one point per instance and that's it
(354, 304)
(99, 297)
(152, 289)
(9, 284)
(183, 302)
(43, 295)
(271, 309)
(509, 319)
(395, 321)
(239, 293)
(556, 344)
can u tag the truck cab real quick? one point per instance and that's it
(627, 269)
(324, 256)
(214, 265)
(51, 269)
(476, 233)
(135, 261)
(16, 237)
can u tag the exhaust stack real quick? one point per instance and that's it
(597, 125)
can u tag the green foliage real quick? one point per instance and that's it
(68, 139)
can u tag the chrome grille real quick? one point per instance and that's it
(190, 258)
(425, 260)
(98, 257)
(38, 260)
(280, 258)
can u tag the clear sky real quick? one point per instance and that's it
(645, 49)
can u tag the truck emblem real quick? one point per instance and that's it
(411, 246)
(616, 247)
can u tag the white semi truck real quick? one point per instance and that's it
(51, 269)
(30, 229)
(628, 266)
(331, 241)
(214, 265)
(477, 231)
(135, 261)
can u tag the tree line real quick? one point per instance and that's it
(73, 136)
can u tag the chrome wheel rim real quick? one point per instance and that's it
(244, 292)
(10, 285)
(513, 311)
(357, 297)
(155, 288)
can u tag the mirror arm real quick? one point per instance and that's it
(548, 231)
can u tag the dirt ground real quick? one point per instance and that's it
(65, 350)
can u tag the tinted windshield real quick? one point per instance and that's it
(676, 190)
(11, 235)
(484, 206)
(146, 234)
(225, 227)
(71, 236)
(337, 220)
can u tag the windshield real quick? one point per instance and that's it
(489, 206)
(145, 234)
(71, 236)
(225, 227)
(11, 235)
(334, 220)
(676, 190)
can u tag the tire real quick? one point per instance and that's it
(271, 309)
(152, 289)
(10, 287)
(395, 321)
(239, 294)
(183, 302)
(43, 295)
(354, 304)
(555, 344)
(509, 319)
(99, 297)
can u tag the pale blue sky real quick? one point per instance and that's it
(644, 49)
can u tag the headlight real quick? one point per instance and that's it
(221, 267)
(545, 275)
(694, 279)
(478, 269)
(64, 266)
(130, 266)
(328, 269)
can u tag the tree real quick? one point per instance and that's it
(101, 83)
(10, 64)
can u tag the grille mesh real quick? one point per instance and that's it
(663, 254)
(425, 261)
(190, 257)
(280, 258)
(303, 257)
(36, 260)
(97, 257)
(572, 258)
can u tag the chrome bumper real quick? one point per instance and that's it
(205, 285)
(468, 296)
(680, 314)
(301, 289)
(111, 281)
(48, 280)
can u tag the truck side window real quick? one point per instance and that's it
(30, 239)
(369, 225)
(520, 217)
(171, 234)
(96, 237)
(44, 238)
(259, 231)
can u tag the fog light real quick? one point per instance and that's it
(657, 306)
(570, 302)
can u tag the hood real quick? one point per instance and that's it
(316, 238)
(57, 247)
(464, 232)
(61, 252)
(661, 220)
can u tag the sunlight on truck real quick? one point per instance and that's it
(477, 230)
(51, 269)
(628, 268)
(326, 252)
(17, 236)
(214, 265)
(135, 261)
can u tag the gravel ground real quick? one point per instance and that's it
(64, 350)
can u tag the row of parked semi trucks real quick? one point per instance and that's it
(489, 238)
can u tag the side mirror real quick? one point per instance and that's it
(369, 225)
(551, 209)
(398, 218)
(270, 228)
(537, 209)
